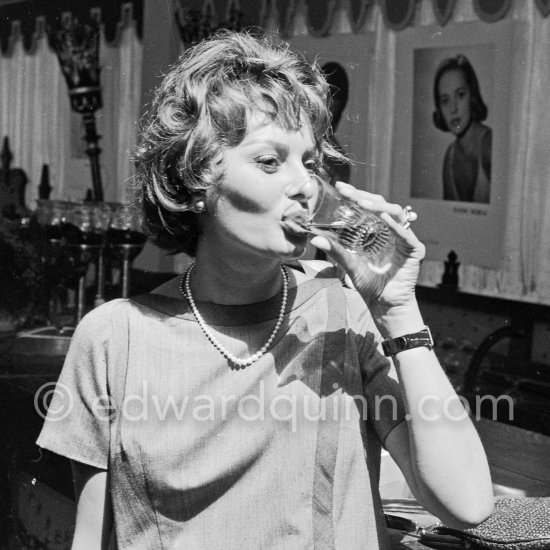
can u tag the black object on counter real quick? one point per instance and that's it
(450, 275)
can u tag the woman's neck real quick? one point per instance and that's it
(231, 282)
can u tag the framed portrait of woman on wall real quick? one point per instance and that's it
(451, 136)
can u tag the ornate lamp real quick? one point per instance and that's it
(76, 44)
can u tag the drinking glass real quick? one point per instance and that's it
(50, 215)
(357, 230)
(102, 215)
(125, 239)
(84, 234)
(83, 225)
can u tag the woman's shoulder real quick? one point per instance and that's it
(481, 133)
(486, 130)
(327, 275)
(117, 312)
(97, 329)
(486, 135)
(100, 316)
(305, 270)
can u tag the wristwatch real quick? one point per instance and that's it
(419, 339)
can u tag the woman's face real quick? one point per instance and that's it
(455, 101)
(268, 181)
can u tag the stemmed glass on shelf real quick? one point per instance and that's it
(50, 216)
(83, 233)
(125, 240)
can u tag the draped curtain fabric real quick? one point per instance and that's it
(29, 17)
(118, 120)
(320, 14)
(35, 114)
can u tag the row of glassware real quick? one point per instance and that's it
(89, 223)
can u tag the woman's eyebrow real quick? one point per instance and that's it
(278, 145)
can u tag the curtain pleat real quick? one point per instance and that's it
(121, 83)
(380, 105)
(443, 10)
(35, 114)
(34, 110)
(129, 104)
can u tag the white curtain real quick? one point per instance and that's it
(525, 271)
(35, 114)
(121, 82)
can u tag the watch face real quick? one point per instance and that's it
(402, 343)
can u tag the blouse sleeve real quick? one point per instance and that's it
(78, 418)
(381, 388)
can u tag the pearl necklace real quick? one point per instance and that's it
(185, 289)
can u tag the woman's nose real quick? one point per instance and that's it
(304, 187)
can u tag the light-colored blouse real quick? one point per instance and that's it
(283, 454)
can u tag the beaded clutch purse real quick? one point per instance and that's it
(521, 523)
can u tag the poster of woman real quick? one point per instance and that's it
(460, 110)
(451, 136)
(452, 133)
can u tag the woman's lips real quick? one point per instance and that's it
(294, 222)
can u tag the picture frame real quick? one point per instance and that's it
(353, 52)
(471, 227)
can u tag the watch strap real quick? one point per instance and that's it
(393, 346)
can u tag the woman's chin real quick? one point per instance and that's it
(295, 250)
(294, 255)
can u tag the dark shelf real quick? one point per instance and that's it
(520, 311)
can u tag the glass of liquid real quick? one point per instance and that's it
(358, 230)
(126, 239)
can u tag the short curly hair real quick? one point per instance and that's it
(478, 107)
(202, 107)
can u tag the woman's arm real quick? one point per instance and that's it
(437, 447)
(94, 512)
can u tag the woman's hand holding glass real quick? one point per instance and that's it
(388, 283)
